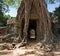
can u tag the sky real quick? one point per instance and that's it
(50, 7)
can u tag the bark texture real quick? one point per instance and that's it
(44, 32)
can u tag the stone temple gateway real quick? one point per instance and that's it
(33, 15)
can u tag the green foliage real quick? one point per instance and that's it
(3, 9)
(3, 20)
(1, 12)
(16, 3)
(57, 14)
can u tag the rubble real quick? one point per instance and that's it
(7, 46)
(28, 50)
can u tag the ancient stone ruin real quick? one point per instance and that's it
(33, 14)
(31, 33)
(32, 24)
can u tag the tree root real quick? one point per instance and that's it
(47, 47)
(20, 45)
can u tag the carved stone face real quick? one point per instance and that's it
(32, 33)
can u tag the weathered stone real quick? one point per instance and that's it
(6, 46)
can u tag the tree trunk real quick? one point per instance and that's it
(19, 21)
(46, 22)
(43, 23)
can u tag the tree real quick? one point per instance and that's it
(56, 14)
(16, 3)
(55, 20)
(3, 9)
(44, 20)
(3, 20)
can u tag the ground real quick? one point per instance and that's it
(28, 50)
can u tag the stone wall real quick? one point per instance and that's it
(3, 31)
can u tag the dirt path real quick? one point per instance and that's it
(28, 50)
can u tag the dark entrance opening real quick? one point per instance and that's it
(32, 27)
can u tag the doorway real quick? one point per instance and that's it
(32, 30)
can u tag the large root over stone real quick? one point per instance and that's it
(7, 46)
(44, 24)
